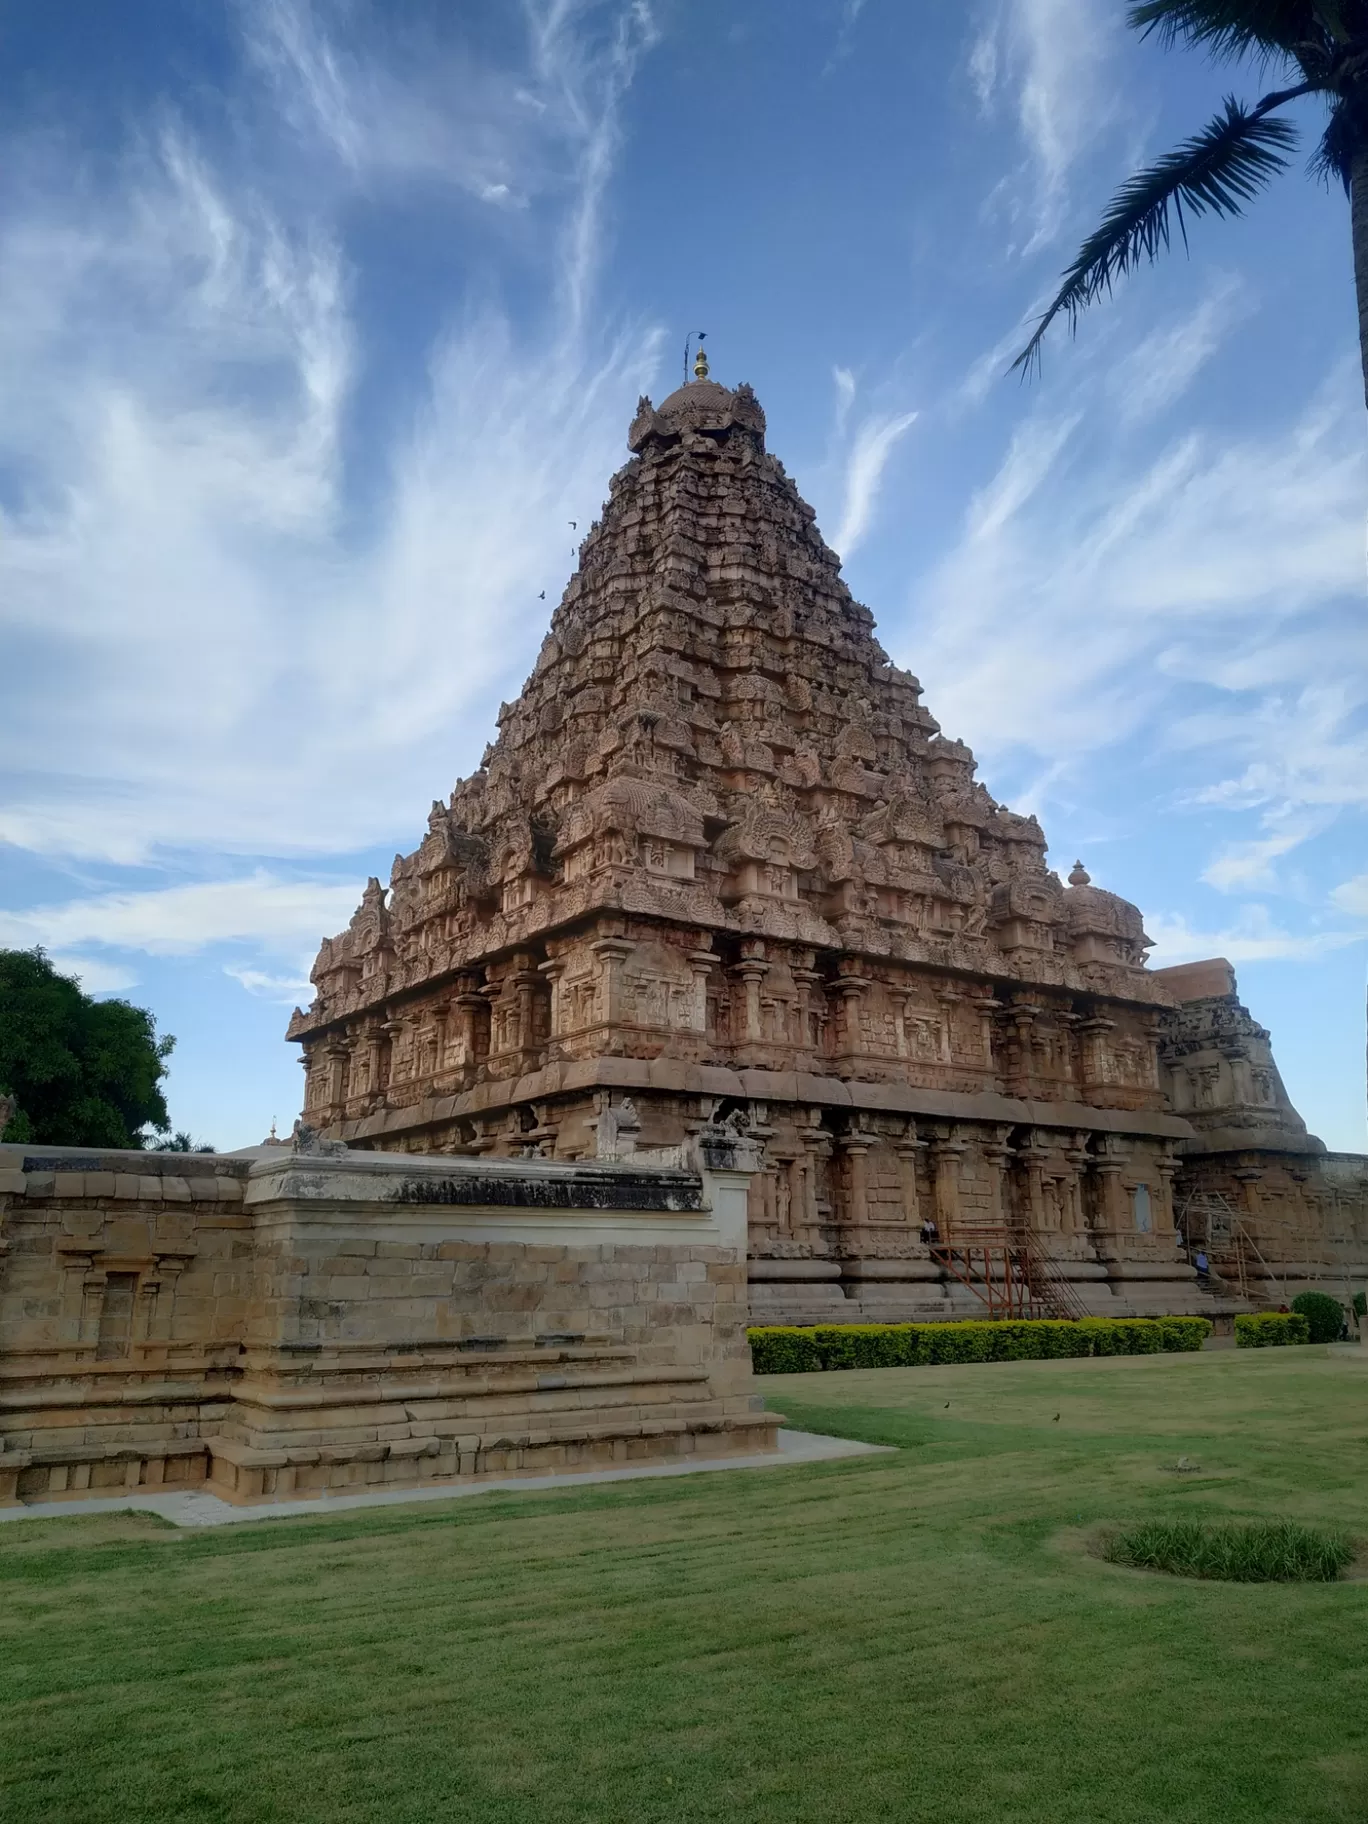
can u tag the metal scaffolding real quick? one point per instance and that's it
(1008, 1271)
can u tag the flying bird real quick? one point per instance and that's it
(542, 596)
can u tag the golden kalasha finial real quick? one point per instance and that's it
(701, 359)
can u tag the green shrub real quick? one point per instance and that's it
(1255, 1551)
(783, 1349)
(1185, 1333)
(1324, 1315)
(866, 1345)
(1270, 1329)
(790, 1349)
(1361, 1304)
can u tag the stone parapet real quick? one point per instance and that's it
(367, 1319)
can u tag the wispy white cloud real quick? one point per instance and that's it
(283, 990)
(416, 104)
(268, 625)
(1161, 367)
(1352, 896)
(1242, 865)
(845, 396)
(1094, 580)
(870, 449)
(96, 974)
(259, 908)
(1044, 60)
(845, 34)
(1254, 937)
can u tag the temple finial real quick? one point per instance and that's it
(1080, 876)
(700, 366)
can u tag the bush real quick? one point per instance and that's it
(1270, 1329)
(1361, 1304)
(1324, 1315)
(791, 1349)
(1185, 1333)
(1255, 1551)
(783, 1349)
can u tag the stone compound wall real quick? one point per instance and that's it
(287, 1322)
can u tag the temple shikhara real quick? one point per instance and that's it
(721, 866)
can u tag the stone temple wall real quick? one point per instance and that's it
(287, 1322)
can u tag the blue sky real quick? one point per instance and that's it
(320, 323)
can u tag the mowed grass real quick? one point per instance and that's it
(926, 1635)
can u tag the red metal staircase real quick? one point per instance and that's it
(1009, 1272)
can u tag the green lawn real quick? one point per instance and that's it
(918, 1636)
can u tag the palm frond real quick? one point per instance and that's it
(1217, 171)
(1234, 28)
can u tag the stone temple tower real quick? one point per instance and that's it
(721, 863)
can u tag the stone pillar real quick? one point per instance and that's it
(551, 973)
(393, 1059)
(1032, 1157)
(1166, 1222)
(996, 1153)
(907, 1150)
(986, 1008)
(93, 1286)
(1251, 1176)
(811, 1011)
(855, 1146)
(524, 981)
(612, 952)
(1112, 1212)
(1093, 1050)
(144, 1309)
(79, 1282)
(335, 1064)
(373, 1041)
(169, 1269)
(795, 1169)
(947, 1156)
(950, 999)
(752, 970)
(816, 1147)
(1022, 1074)
(1072, 1188)
(470, 1033)
(1069, 1023)
(701, 963)
(850, 990)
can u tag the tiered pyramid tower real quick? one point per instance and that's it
(720, 861)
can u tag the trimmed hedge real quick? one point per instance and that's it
(790, 1349)
(1324, 1315)
(1270, 1329)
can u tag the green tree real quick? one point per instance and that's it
(79, 1072)
(1317, 47)
(181, 1142)
(1324, 1315)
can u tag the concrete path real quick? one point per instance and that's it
(199, 1509)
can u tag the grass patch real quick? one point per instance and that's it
(882, 1640)
(1252, 1551)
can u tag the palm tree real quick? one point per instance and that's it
(1320, 47)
